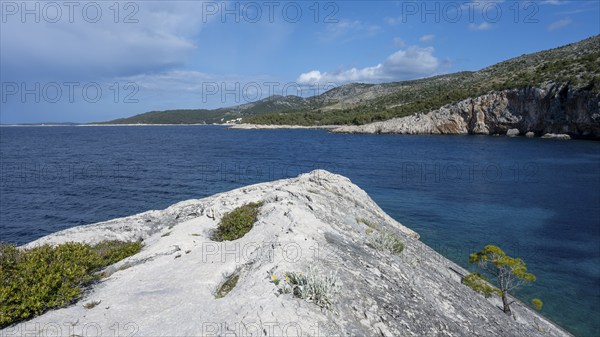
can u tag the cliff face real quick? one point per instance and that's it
(553, 109)
(306, 223)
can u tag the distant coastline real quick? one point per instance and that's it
(102, 124)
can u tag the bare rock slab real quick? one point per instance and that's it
(318, 221)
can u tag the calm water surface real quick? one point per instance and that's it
(538, 199)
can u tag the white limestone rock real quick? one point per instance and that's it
(306, 222)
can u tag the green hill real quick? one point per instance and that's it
(576, 64)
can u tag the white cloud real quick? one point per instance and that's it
(398, 42)
(427, 38)
(413, 62)
(481, 26)
(559, 24)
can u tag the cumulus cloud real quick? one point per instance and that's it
(559, 24)
(413, 62)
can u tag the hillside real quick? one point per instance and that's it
(202, 116)
(576, 66)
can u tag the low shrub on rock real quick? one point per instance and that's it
(480, 284)
(238, 222)
(37, 279)
(311, 287)
(387, 241)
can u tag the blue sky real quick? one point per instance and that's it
(96, 61)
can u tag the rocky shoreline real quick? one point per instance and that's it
(555, 111)
(319, 223)
(275, 127)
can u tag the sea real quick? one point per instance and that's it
(537, 199)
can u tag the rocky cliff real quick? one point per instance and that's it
(319, 224)
(557, 109)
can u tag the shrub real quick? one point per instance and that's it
(368, 223)
(115, 251)
(537, 303)
(311, 287)
(227, 286)
(480, 284)
(387, 241)
(238, 222)
(35, 280)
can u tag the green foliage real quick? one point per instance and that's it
(238, 222)
(114, 251)
(37, 279)
(576, 64)
(508, 272)
(480, 284)
(227, 286)
(311, 287)
(537, 303)
(198, 116)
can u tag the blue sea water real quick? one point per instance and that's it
(537, 199)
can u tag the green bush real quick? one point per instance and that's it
(115, 251)
(35, 280)
(480, 284)
(238, 222)
(537, 303)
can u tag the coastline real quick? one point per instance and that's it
(275, 126)
(298, 212)
(373, 128)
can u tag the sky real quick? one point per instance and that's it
(92, 61)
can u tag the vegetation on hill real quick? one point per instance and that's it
(577, 65)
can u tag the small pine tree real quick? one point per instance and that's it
(508, 272)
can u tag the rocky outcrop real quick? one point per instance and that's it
(553, 109)
(318, 221)
(512, 132)
(556, 136)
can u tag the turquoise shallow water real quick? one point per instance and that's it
(537, 199)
